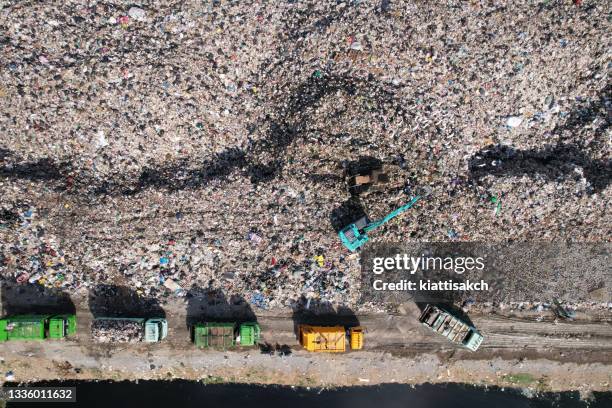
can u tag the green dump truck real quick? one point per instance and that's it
(451, 327)
(37, 327)
(128, 329)
(225, 335)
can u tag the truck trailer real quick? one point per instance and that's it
(37, 327)
(129, 329)
(225, 335)
(330, 339)
(451, 327)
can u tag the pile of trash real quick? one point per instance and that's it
(175, 145)
(116, 331)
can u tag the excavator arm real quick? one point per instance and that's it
(391, 215)
(355, 235)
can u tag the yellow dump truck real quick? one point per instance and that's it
(330, 339)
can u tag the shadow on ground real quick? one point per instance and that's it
(212, 305)
(282, 350)
(33, 298)
(553, 163)
(557, 162)
(262, 160)
(121, 301)
(347, 213)
(362, 166)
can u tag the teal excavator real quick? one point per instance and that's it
(356, 234)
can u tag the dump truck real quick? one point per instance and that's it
(355, 234)
(129, 329)
(37, 327)
(453, 328)
(225, 335)
(330, 339)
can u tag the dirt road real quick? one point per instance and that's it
(547, 354)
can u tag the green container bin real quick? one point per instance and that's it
(214, 335)
(250, 333)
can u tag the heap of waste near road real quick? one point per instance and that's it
(175, 145)
(116, 331)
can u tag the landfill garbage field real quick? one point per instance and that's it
(203, 157)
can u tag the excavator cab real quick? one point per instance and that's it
(353, 236)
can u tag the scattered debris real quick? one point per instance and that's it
(172, 285)
(514, 121)
(563, 312)
(137, 13)
(116, 331)
(498, 204)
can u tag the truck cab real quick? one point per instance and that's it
(473, 340)
(156, 329)
(37, 327)
(250, 334)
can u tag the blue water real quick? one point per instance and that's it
(179, 394)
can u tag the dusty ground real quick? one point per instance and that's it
(520, 350)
